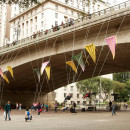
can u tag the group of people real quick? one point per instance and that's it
(18, 106)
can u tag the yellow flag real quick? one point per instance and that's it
(4, 77)
(10, 70)
(91, 50)
(48, 72)
(71, 63)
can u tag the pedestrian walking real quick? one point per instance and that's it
(7, 110)
(20, 106)
(56, 105)
(110, 104)
(113, 108)
(39, 109)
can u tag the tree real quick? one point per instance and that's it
(107, 87)
(122, 77)
(94, 85)
(22, 3)
(88, 85)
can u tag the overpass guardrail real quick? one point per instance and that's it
(43, 34)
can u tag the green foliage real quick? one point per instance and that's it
(22, 3)
(118, 87)
(122, 77)
(128, 102)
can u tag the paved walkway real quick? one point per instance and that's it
(67, 121)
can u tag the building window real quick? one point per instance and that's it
(66, 1)
(23, 17)
(64, 95)
(66, 10)
(71, 88)
(56, 7)
(43, 7)
(27, 16)
(31, 13)
(78, 102)
(71, 102)
(42, 24)
(42, 15)
(65, 19)
(56, 23)
(72, 95)
(35, 10)
(98, 7)
(84, 103)
(65, 88)
(77, 95)
(72, 12)
(56, 15)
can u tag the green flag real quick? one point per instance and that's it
(80, 61)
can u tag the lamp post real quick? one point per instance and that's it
(129, 96)
(17, 31)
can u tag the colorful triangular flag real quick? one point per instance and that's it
(80, 61)
(38, 73)
(10, 70)
(91, 50)
(111, 42)
(71, 63)
(48, 72)
(43, 66)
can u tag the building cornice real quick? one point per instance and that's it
(43, 2)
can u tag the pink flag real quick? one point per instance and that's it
(1, 72)
(111, 42)
(43, 66)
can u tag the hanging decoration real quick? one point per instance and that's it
(80, 61)
(111, 42)
(91, 50)
(10, 70)
(48, 72)
(1, 72)
(5, 78)
(43, 66)
(71, 63)
(38, 73)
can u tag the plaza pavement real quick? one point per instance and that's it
(67, 121)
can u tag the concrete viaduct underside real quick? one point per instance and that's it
(59, 49)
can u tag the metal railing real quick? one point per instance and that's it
(43, 34)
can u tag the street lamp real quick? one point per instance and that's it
(129, 96)
(17, 31)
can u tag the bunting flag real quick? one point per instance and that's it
(91, 50)
(111, 42)
(5, 78)
(48, 72)
(71, 63)
(80, 61)
(1, 72)
(43, 66)
(38, 73)
(10, 70)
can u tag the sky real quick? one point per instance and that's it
(116, 1)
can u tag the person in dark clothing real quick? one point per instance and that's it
(74, 106)
(113, 108)
(39, 109)
(7, 110)
(110, 104)
(68, 97)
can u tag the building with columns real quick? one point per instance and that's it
(24, 22)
